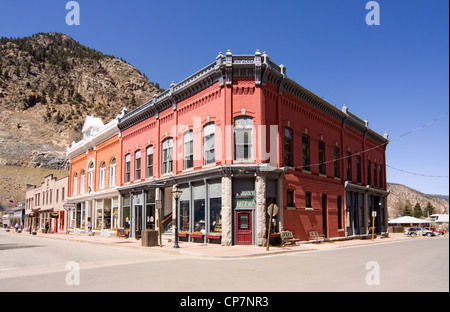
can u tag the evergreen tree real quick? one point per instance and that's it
(429, 209)
(407, 209)
(418, 211)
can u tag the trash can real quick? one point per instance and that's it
(149, 238)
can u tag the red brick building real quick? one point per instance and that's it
(239, 135)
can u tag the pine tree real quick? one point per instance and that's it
(418, 211)
(429, 209)
(407, 209)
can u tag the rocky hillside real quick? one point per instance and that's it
(400, 194)
(48, 84)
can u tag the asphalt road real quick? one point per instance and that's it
(30, 263)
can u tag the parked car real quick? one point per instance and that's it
(412, 231)
(427, 232)
(435, 232)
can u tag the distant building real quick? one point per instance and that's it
(95, 168)
(44, 205)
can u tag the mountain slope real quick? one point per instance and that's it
(48, 84)
(399, 194)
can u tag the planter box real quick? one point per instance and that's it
(213, 236)
(182, 234)
(196, 235)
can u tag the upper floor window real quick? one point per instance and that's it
(75, 180)
(380, 175)
(288, 157)
(127, 167)
(150, 161)
(322, 165)
(375, 176)
(369, 176)
(137, 165)
(167, 155)
(112, 172)
(358, 169)
(188, 150)
(243, 138)
(91, 171)
(209, 156)
(102, 176)
(82, 175)
(305, 152)
(349, 166)
(337, 167)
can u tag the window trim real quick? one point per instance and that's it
(306, 153)
(247, 145)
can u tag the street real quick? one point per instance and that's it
(29, 263)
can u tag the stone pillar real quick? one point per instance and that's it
(174, 213)
(280, 203)
(157, 197)
(227, 211)
(261, 213)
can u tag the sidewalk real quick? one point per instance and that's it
(216, 250)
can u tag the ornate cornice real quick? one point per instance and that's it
(257, 66)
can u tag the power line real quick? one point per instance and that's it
(389, 141)
(418, 174)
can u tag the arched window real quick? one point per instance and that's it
(149, 161)
(102, 175)
(91, 172)
(82, 175)
(167, 155)
(112, 172)
(243, 138)
(137, 165)
(75, 180)
(188, 150)
(127, 167)
(288, 156)
(209, 143)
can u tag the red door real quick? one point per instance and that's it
(243, 227)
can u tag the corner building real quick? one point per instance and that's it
(237, 136)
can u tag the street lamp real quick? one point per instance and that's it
(176, 192)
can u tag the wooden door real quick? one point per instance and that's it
(244, 227)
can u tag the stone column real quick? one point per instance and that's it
(174, 213)
(261, 231)
(280, 203)
(157, 197)
(227, 211)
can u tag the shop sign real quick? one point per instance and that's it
(244, 202)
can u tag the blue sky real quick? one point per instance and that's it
(396, 74)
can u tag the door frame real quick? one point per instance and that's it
(237, 212)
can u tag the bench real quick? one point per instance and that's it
(314, 235)
(288, 238)
(122, 233)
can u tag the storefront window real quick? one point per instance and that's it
(215, 210)
(78, 216)
(184, 215)
(150, 210)
(115, 213)
(199, 215)
(98, 214)
(126, 212)
(107, 214)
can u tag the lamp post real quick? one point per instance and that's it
(176, 192)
